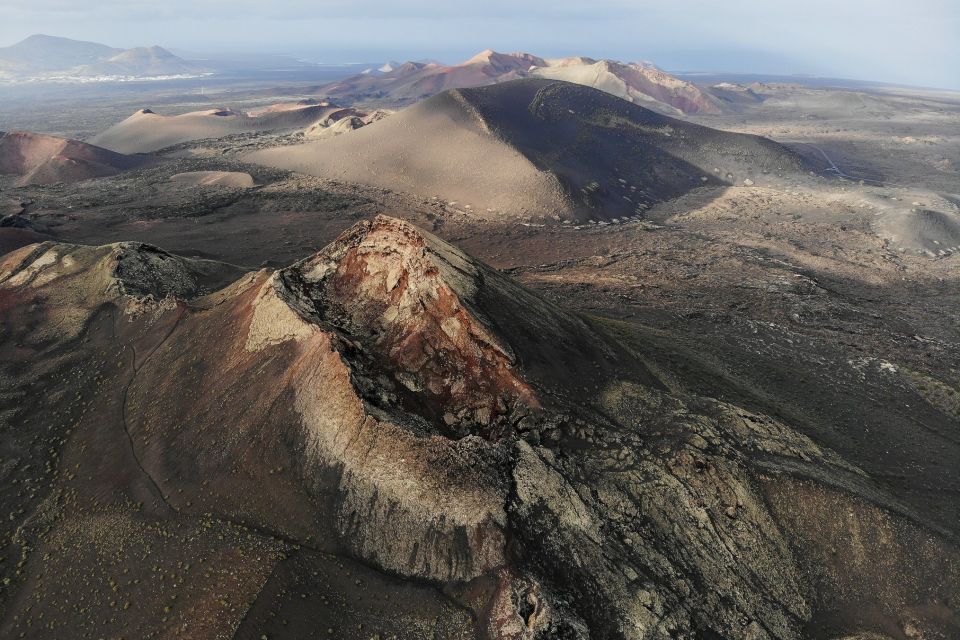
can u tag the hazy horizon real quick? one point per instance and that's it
(874, 41)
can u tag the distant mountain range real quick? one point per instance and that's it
(42, 57)
(638, 82)
(50, 58)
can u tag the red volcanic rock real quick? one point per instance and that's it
(636, 82)
(405, 296)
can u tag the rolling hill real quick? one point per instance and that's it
(146, 131)
(141, 61)
(537, 147)
(45, 159)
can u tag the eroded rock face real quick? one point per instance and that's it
(654, 527)
(335, 124)
(399, 363)
(392, 400)
(417, 504)
(404, 296)
(67, 283)
(132, 269)
(391, 489)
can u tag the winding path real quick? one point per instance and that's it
(835, 169)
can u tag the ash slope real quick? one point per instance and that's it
(539, 147)
(195, 458)
(43, 159)
(146, 131)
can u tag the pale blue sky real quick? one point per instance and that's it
(913, 42)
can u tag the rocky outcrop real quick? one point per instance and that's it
(130, 269)
(391, 400)
(406, 499)
(406, 299)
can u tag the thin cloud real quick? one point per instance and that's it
(872, 39)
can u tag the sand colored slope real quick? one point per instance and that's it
(935, 233)
(146, 131)
(234, 179)
(538, 147)
(441, 146)
(290, 106)
(43, 159)
(643, 84)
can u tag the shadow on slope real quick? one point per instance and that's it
(538, 147)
